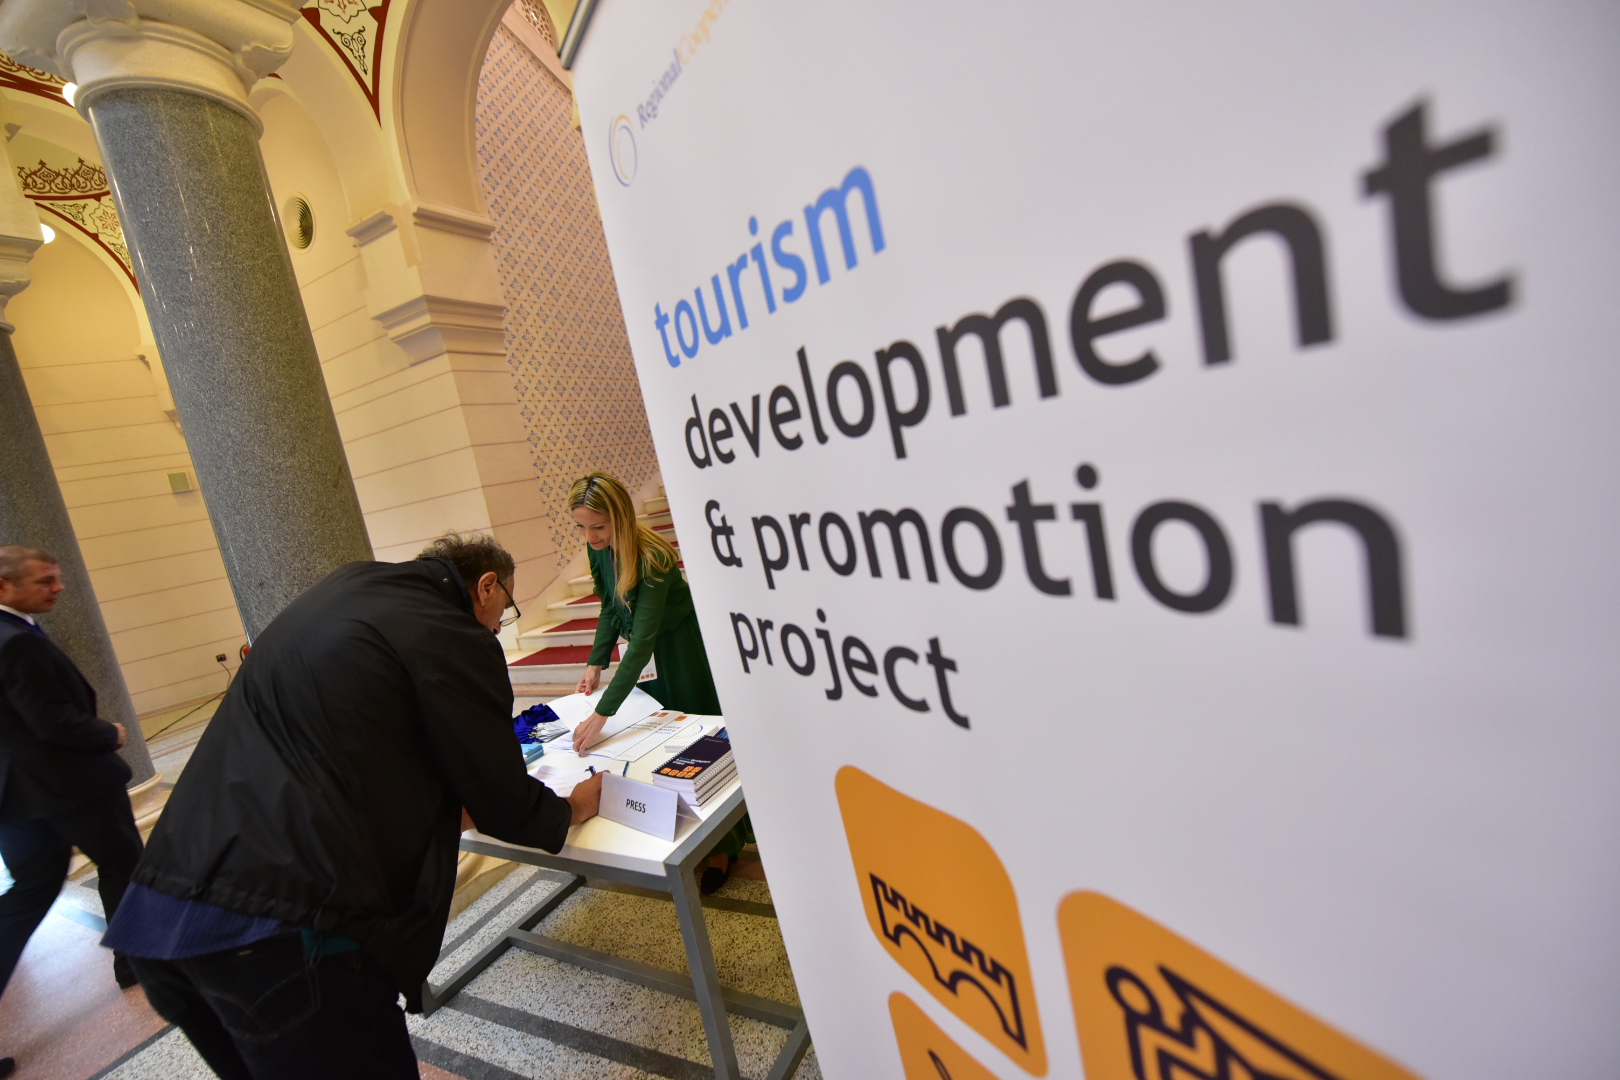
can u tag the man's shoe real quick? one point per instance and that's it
(123, 973)
(8, 1066)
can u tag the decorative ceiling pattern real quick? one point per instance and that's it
(354, 29)
(565, 338)
(79, 195)
(15, 76)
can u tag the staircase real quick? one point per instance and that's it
(562, 647)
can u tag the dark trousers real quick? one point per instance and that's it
(37, 854)
(267, 1011)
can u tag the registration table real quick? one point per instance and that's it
(607, 850)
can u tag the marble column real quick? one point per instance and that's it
(31, 508)
(164, 85)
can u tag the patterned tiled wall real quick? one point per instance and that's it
(565, 334)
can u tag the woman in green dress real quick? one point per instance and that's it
(645, 600)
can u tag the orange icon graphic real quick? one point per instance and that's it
(941, 903)
(927, 1052)
(1150, 1005)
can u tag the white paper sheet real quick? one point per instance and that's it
(684, 738)
(559, 778)
(574, 708)
(646, 737)
(563, 776)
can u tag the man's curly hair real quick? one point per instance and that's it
(473, 557)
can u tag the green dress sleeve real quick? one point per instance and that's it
(651, 599)
(606, 634)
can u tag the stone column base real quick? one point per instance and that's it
(148, 801)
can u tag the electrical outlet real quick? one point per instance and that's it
(220, 659)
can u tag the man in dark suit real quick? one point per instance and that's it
(61, 779)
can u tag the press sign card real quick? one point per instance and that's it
(642, 806)
(1149, 477)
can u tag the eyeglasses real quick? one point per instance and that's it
(510, 603)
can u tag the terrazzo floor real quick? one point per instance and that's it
(525, 1016)
(529, 1016)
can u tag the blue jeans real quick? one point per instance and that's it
(267, 1010)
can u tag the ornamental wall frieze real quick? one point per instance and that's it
(30, 80)
(354, 30)
(79, 195)
(81, 179)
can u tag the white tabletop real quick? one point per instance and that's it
(607, 843)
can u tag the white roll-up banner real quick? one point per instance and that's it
(1149, 476)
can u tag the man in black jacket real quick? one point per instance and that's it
(301, 875)
(61, 779)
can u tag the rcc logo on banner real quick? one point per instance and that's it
(622, 150)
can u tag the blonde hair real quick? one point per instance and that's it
(633, 542)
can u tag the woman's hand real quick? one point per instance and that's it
(585, 735)
(589, 681)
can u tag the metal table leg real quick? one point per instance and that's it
(679, 882)
(798, 1044)
(705, 974)
(434, 996)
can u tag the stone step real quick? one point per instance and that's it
(559, 665)
(578, 607)
(582, 587)
(575, 621)
(657, 505)
(526, 694)
(581, 607)
(581, 631)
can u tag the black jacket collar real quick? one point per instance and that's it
(447, 579)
